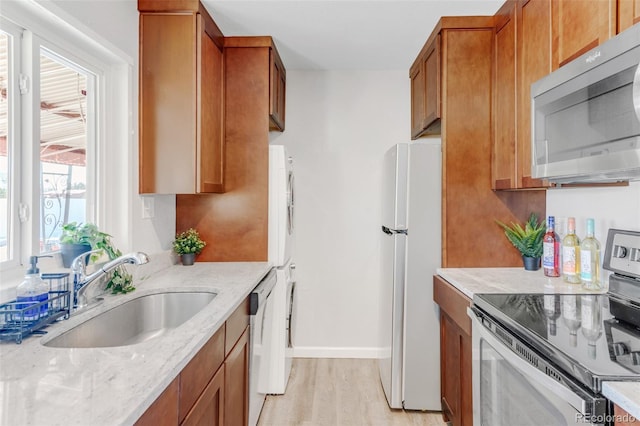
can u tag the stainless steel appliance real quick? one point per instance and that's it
(261, 310)
(586, 115)
(410, 365)
(542, 358)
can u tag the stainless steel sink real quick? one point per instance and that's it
(135, 321)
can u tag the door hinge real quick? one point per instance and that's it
(24, 84)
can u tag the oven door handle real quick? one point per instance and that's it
(577, 398)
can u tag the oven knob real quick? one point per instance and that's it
(635, 358)
(635, 255)
(619, 251)
(620, 349)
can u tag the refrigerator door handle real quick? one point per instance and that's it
(390, 231)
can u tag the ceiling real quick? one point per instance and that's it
(343, 34)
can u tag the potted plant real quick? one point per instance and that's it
(78, 238)
(188, 244)
(527, 240)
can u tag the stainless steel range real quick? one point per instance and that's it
(541, 359)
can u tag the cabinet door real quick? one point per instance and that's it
(167, 103)
(579, 26)
(164, 410)
(622, 417)
(277, 92)
(503, 156)
(416, 74)
(432, 70)
(236, 383)
(628, 14)
(210, 119)
(450, 368)
(534, 62)
(209, 408)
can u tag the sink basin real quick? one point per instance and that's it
(135, 321)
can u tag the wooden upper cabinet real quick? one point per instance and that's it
(503, 155)
(277, 91)
(425, 75)
(533, 63)
(628, 14)
(578, 26)
(181, 121)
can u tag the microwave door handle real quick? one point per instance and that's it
(538, 379)
(636, 92)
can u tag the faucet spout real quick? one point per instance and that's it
(83, 281)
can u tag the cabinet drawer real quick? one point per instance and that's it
(164, 410)
(453, 302)
(200, 370)
(237, 322)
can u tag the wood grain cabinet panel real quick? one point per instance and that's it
(209, 408)
(164, 410)
(578, 26)
(623, 418)
(533, 63)
(236, 382)
(425, 75)
(181, 125)
(277, 92)
(503, 154)
(455, 353)
(628, 14)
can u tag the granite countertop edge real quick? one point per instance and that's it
(45, 385)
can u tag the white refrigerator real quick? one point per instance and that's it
(410, 320)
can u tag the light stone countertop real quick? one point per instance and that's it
(625, 394)
(517, 280)
(106, 386)
(506, 280)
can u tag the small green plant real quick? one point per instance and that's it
(188, 242)
(527, 240)
(88, 233)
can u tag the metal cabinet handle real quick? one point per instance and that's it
(390, 231)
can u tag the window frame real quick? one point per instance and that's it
(110, 207)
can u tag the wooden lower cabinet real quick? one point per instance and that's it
(213, 389)
(455, 353)
(622, 418)
(236, 383)
(209, 408)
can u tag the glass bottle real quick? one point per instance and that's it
(551, 250)
(590, 260)
(571, 254)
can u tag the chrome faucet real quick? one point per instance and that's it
(82, 281)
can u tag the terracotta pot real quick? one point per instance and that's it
(531, 263)
(188, 259)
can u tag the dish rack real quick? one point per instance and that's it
(19, 319)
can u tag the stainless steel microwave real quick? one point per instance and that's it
(586, 115)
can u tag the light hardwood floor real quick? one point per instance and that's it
(337, 392)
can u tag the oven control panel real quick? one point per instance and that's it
(622, 253)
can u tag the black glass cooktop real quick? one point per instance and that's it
(579, 333)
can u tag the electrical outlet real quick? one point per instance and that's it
(148, 207)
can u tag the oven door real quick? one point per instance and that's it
(507, 390)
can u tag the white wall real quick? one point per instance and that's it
(114, 24)
(339, 125)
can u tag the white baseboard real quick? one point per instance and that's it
(328, 352)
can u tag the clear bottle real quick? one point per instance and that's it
(31, 291)
(571, 316)
(551, 250)
(552, 312)
(571, 254)
(590, 260)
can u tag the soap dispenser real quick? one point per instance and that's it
(33, 290)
